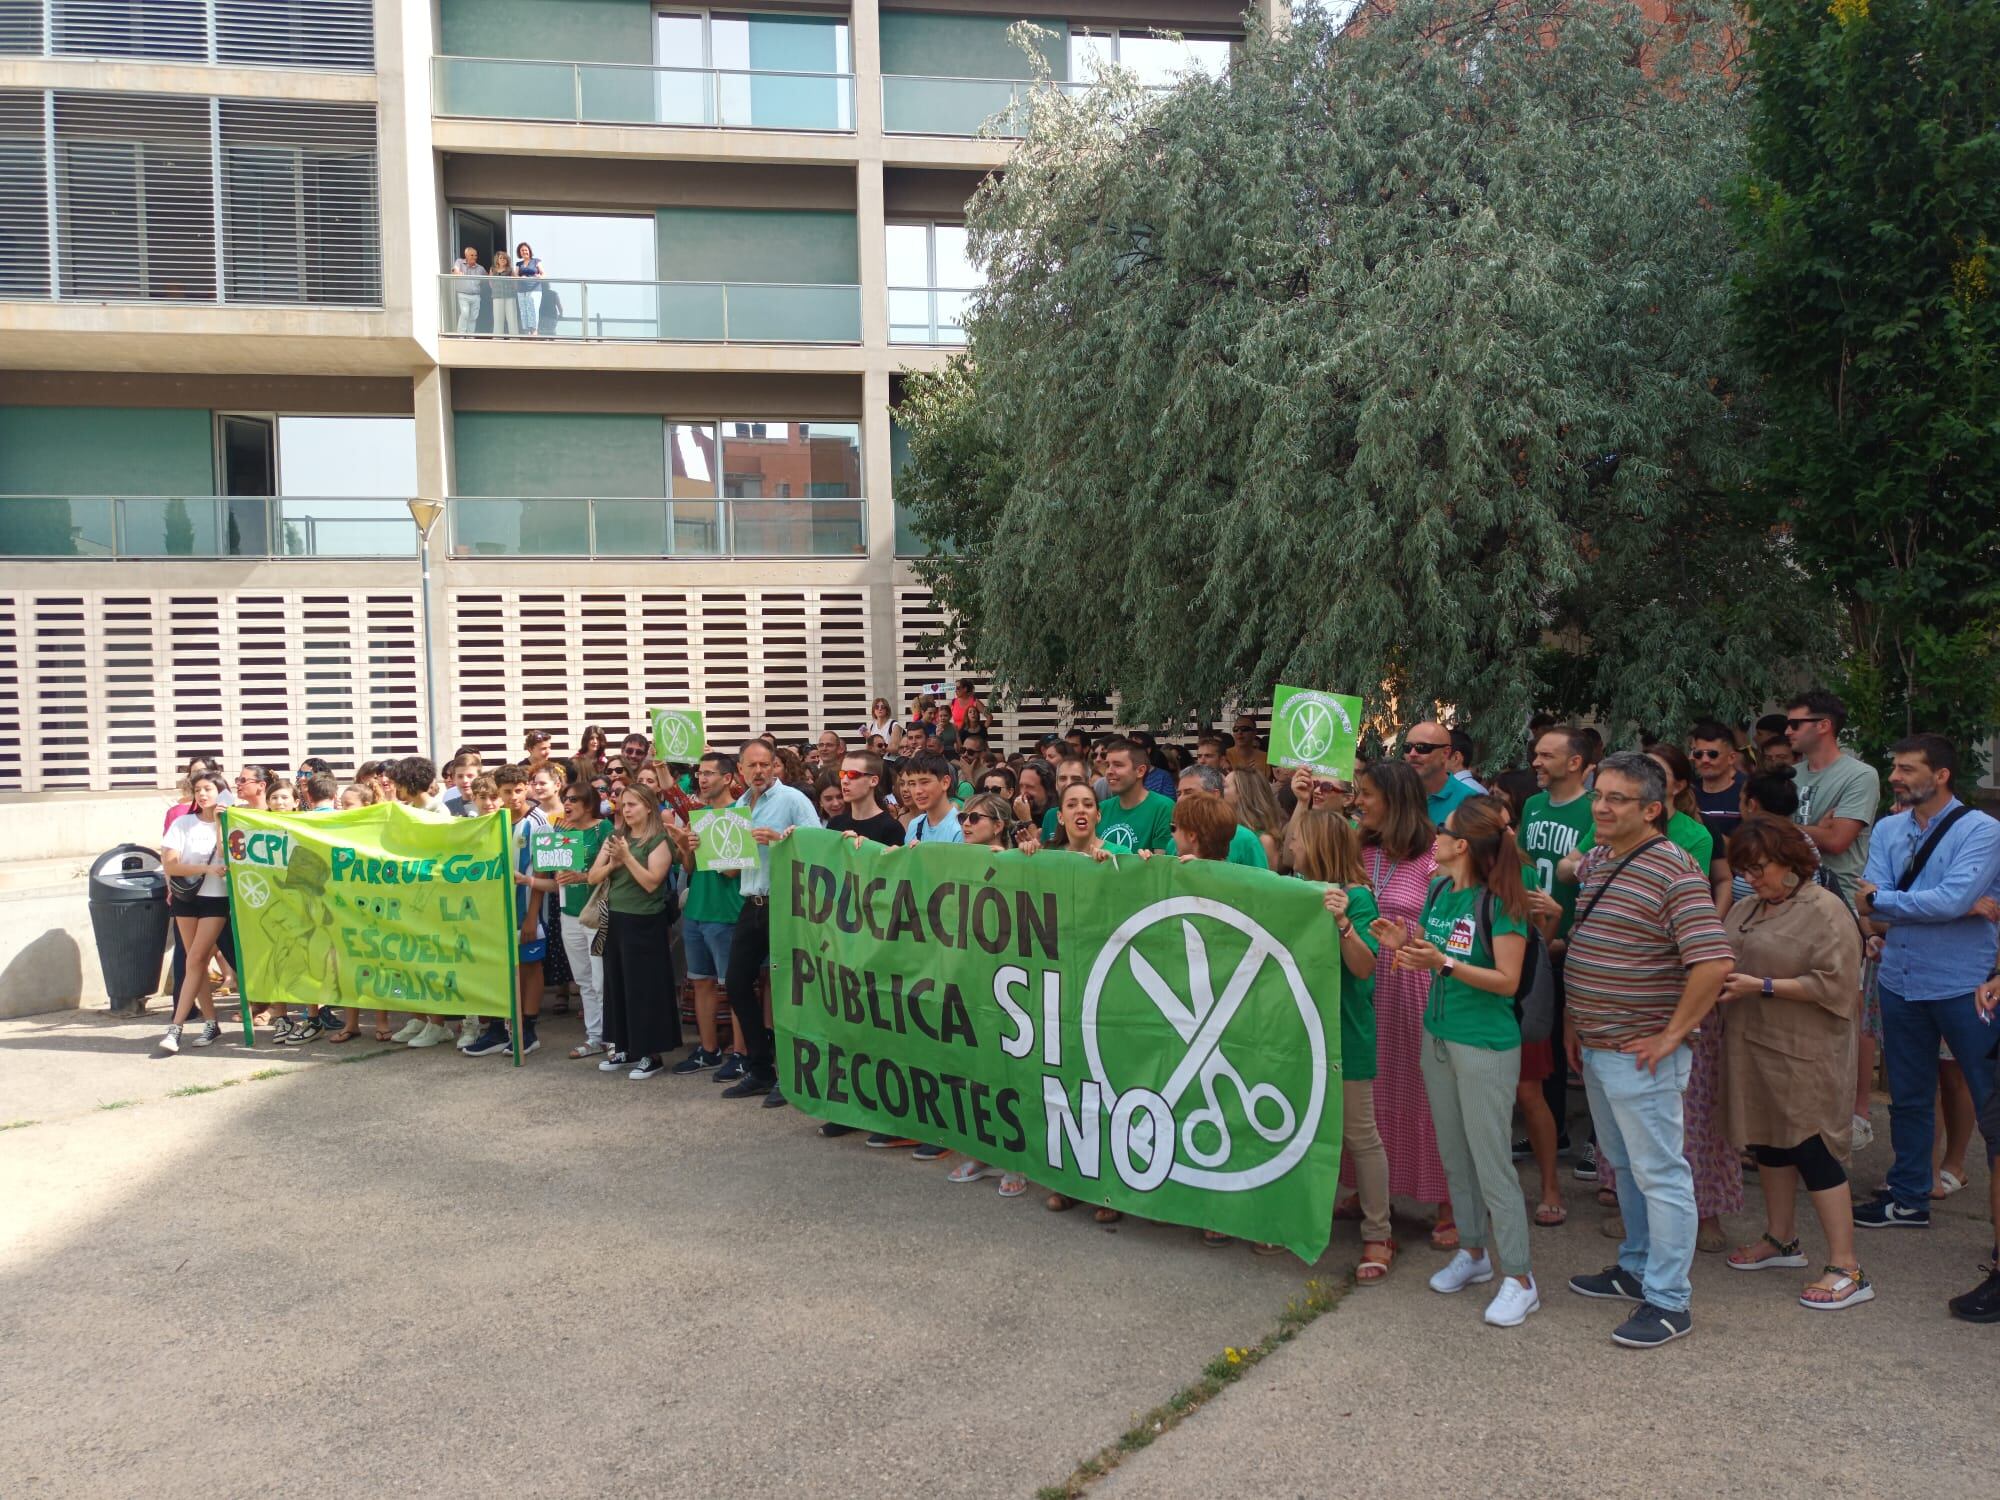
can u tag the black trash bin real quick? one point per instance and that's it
(128, 914)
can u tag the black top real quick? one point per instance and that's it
(1722, 811)
(882, 828)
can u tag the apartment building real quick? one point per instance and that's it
(233, 351)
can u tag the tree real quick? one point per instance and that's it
(1397, 364)
(1868, 308)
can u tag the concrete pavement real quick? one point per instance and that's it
(426, 1274)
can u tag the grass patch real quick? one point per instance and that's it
(1228, 1367)
(262, 1073)
(18, 1124)
(189, 1090)
(119, 1104)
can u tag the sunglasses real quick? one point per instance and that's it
(977, 818)
(854, 775)
(1705, 755)
(1419, 747)
(1801, 723)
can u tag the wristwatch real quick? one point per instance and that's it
(1346, 929)
(1446, 971)
(1767, 987)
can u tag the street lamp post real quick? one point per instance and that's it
(425, 513)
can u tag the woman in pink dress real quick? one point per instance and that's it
(1396, 836)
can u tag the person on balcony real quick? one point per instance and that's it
(528, 268)
(467, 292)
(506, 305)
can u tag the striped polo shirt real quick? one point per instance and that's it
(1626, 966)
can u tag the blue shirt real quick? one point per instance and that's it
(1162, 782)
(1448, 796)
(1935, 949)
(780, 809)
(944, 831)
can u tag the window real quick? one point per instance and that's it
(751, 70)
(931, 278)
(1157, 62)
(334, 34)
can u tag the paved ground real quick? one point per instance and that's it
(430, 1275)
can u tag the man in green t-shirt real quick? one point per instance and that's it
(585, 833)
(1554, 824)
(708, 921)
(1838, 794)
(1132, 818)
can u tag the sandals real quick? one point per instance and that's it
(970, 1170)
(1106, 1215)
(1056, 1203)
(345, 1034)
(1444, 1236)
(1348, 1210)
(1215, 1239)
(385, 1034)
(1377, 1256)
(1264, 1247)
(1949, 1182)
(1849, 1287)
(1551, 1215)
(1607, 1198)
(1711, 1241)
(588, 1049)
(1787, 1254)
(1012, 1184)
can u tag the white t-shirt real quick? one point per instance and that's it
(195, 843)
(887, 731)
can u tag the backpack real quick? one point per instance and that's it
(1535, 994)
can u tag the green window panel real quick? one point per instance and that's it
(593, 454)
(613, 31)
(918, 43)
(815, 246)
(106, 450)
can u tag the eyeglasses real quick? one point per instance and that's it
(1705, 754)
(1801, 723)
(854, 775)
(1420, 747)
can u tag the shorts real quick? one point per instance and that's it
(708, 946)
(200, 906)
(535, 952)
(1871, 1000)
(1989, 1123)
(1538, 1060)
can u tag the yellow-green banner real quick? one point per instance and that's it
(378, 908)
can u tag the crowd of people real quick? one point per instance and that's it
(1736, 940)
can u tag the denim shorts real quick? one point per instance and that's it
(707, 945)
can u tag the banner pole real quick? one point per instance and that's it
(229, 884)
(514, 968)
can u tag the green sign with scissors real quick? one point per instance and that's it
(1158, 1037)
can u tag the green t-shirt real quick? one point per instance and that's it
(586, 842)
(713, 897)
(962, 793)
(1245, 848)
(1357, 996)
(1549, 833)
(1150, 825)
(1689, 834)
(1849, 788)
(1457, 1012)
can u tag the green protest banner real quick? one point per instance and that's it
(679, 735)
(1316, 730)
(725, 839)
(379, 908)
(1160, 1037)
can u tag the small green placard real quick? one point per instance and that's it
(1315, 730)
(679, 735)
(550, 850)
(725, 840)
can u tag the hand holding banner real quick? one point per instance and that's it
(1315, 730)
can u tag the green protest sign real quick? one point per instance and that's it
(679, 734)
(1315, 730)
(725, 839)
(379, 908)
(554, 849)
(1160, 1037)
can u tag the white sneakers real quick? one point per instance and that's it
(429, 1035)
(1512, 1303)
(1462, 1271)
(410, 1028)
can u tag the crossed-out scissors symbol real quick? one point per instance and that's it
(1201, 1022)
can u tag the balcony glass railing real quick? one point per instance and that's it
(927, 315)
(913, 105)
(695, 312)
(737, 527)
(496, 88)
(138, 526)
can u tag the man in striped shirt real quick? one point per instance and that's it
(1646, 961)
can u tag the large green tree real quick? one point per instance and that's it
(1868, 304)
(1397, 364)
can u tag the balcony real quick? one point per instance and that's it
(579, 93)
(689, 312)
(171, 526)
(674, 528)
